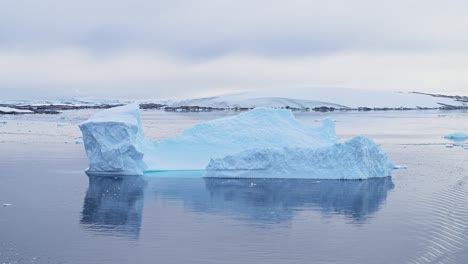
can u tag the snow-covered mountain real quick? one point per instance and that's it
(328, 97)
(252, 100)
(339, 98)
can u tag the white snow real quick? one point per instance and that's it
(263, 142)
(258, 128)
(316, 97)
(113, 141)
(10, 110)
(357, 158)
(65, 102)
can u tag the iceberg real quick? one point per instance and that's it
(263, 142)
(457, 136)
(113, 140)
(357, 158)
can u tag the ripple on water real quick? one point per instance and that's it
(446, 238)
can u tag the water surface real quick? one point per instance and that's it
(59, 215)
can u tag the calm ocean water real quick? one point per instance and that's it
(54, 213)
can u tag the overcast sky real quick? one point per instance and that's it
(173, 48)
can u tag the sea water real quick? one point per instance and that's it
(51, 212)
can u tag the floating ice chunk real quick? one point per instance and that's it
(113, 141)
(357, 158)
(457, 136)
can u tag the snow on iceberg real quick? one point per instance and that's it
(113, 139)
(357, 158)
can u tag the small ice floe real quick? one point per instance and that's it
(253, 184)
(457, 136)
(461, 145)
(400, 167)
(7, 204)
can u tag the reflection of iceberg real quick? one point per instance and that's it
(114, 205)
(270, 198)
(256, 139)
(277, 200)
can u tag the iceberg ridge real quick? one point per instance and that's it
(357, 158)
(258, 128)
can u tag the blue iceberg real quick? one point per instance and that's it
(457, 136)
(263, 142)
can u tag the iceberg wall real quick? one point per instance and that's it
(357, 158)
(113, 140)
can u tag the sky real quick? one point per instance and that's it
(181, 49)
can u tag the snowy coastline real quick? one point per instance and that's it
(320, 100)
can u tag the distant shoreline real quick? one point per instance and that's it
(194, 106)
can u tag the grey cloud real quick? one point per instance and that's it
(208, 28)
(155, 48)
